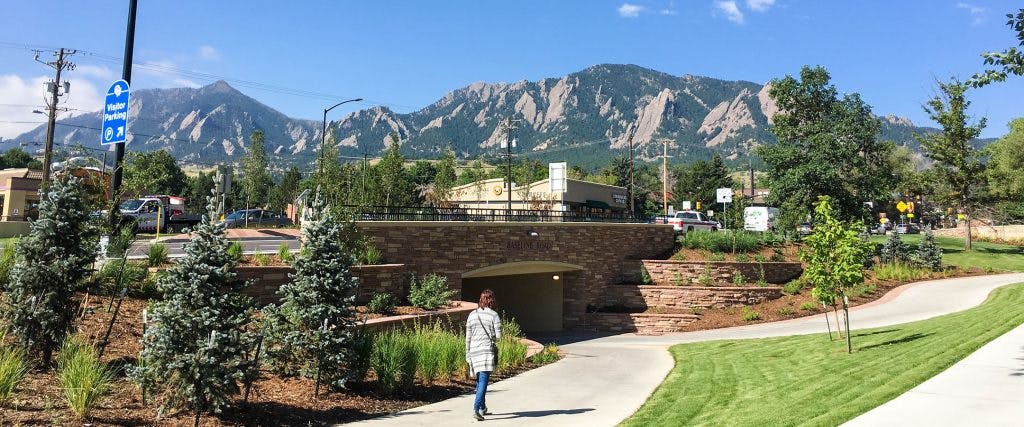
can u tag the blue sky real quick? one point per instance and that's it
(407, 54)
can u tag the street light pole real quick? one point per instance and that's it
(323, 131)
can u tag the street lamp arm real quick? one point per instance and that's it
(342, 102)
(323, 130)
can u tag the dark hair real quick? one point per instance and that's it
(487, 298)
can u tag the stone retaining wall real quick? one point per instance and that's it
(453, 318)
(390, 278)
(684, 273)
(643, 323)
(642, 297)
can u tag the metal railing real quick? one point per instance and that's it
(419, 213)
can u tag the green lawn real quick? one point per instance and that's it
(997, 257)
(808, 380)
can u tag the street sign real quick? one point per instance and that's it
(686, 205)
(724, 195)
(902, 206)
(115, 114)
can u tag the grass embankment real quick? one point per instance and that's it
(985, 255)
(808, 380)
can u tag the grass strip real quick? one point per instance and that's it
(808, 380)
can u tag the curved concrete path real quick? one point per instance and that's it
(603, 380)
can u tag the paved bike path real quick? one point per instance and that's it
(603, 380)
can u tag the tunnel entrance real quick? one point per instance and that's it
(530, 291)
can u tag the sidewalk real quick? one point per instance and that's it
(603, 381)
(984, 389)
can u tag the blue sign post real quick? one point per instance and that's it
(115, 114)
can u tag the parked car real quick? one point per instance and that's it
(909, 228)
(684, 221)
(804, 229)
(256, 218)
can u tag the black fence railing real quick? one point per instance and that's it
(410, 213)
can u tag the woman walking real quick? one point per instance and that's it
(483, 330)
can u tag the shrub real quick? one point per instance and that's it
(738, 279)
(793, 287)
(393, 360)
(749, 315)
(316, 328)
(371, 255)
(509, 327)
(742, 257)
(430, 292)
(261, 259)
(786, 311)
(717, 257)
(861, 290)
(13, 368)
(777, 255)
(548, 355)
(362, 352)
(677, 279)
(83, 377)
(808, 306)
(895, 250)
(7, 261)
(705, 276)
(235, 251)
(929, 254)
(722, 241)
(382, 303)
(284, 253)
(157, 254)
(439, 353)
(760, 259)
(900, 272)
(645, 277)
(52, 262)
(196, 348)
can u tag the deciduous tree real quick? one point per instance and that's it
(1009, 61)
(256, 181)
(153, 172)
(958, 162)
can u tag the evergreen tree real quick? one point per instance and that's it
(286, 190)
(256, 181)
(51, 263)
(895, 250)
(396, 188)
(195, 351)
(444, 179)
(313, 325)
(199, 187)
(928, 253)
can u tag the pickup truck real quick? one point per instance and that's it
(145, 211)
(684, 221)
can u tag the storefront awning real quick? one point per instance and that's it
(597, 204)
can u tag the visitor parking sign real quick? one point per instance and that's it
(115, 114)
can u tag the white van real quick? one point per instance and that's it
(759, 218)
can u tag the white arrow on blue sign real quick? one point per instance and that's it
(115, 114)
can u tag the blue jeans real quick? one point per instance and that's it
(481, 390)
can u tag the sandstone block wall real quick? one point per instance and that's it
(642, 323)
(265, 281)
(683, 273)
(688, 297)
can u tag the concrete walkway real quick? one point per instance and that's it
(984, 389)
(605, 379)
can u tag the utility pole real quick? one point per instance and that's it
(126, 75)
(363, 198)
(508, 145)
(54, 88)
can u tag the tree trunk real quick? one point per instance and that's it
(968, 237)
(846, 317)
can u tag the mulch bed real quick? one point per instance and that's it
(273, 400)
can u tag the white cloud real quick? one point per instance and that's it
(760, 5)
(208, 53)
(629, 10)
(977, 12)
(95, 71)
(22, 95)
(731, 10)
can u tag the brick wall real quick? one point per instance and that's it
(672, 272)
(686, 297)
(391, 278)
(452, 249)
(642, 323)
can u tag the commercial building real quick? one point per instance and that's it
(579, 197)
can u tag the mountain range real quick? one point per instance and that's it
(584, 118)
